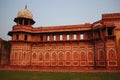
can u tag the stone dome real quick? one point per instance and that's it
(25, 13)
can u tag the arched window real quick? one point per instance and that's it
(74, 36)
(61, 37)
(54, 37)
(68, 37)
(81, 36)
(48, 38)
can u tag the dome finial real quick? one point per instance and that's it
(25, 6)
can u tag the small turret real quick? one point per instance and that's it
(24, 17)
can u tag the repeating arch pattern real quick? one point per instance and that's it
(40, 56)
(111, 54)
(83, 55)
(90, 56)
(47, 56)
(75, 56)
(68, 56)
(54, 56)
(61, 55)
(34, 56)
(101, 55)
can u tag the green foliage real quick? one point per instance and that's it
(24, 75)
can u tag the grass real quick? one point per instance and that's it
(24, 75)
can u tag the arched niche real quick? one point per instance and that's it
(111, 54)
(61, 55)
(75, 56)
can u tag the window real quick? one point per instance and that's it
(54, 37)
(25, 37)
(25, 22)
(61, 37)
(48, 38)
(99, 33)
(110, 31)
(17, 36)
(74, 36)
(41, 37)
(81, 36)
(68, 37)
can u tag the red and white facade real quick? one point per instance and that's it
(81, 46)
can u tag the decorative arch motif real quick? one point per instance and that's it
(20, 58)
(111, 54)
(28, 55)
(40, 56)
(34, 56)
(15, 56)
(54, 56)
(83, 55)
(61, 56)
(90, 56)
(101, 55)
(24, 56)
(75, 56)
(12, 57)
(68, 56)
(47, 56)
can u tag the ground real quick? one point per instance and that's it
(31, 75)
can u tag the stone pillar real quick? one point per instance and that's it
(71, 36)
(57, 37)
(28, 22)
(78, 36)
(17, 22)
(64, 37)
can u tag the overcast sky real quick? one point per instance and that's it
(55, 12)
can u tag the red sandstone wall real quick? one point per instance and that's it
(79, 52)
(59, 54)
